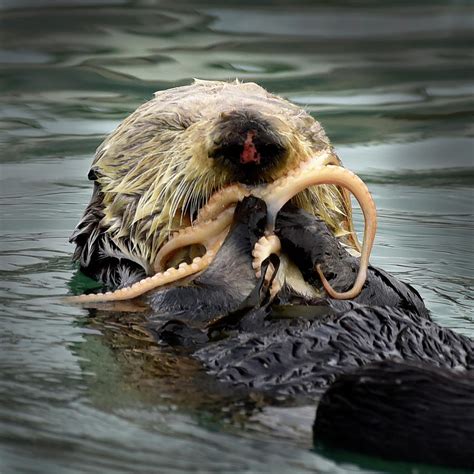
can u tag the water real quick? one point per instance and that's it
(390, 82)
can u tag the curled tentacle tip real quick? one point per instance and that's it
(346, 295)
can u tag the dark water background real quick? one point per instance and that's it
(392, 84)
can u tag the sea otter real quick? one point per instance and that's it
(212, 156)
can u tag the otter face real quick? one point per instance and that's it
(248, 146)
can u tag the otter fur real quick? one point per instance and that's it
(164, 161)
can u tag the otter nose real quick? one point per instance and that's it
(247, 145)
(249, 153)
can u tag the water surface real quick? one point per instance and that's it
(392, 84)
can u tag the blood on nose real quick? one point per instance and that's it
(249, 153)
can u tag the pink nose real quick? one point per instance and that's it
(249, 153)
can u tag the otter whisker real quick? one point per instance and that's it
(177, 199)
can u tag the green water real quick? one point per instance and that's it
(391, 83)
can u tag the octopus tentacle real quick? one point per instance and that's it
(212, 236)
(202, 233)
(159, 279)
(220, 200)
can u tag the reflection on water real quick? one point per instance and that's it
(391, 83)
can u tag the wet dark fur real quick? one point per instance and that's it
(273, 349)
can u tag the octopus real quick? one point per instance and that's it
(214, 219)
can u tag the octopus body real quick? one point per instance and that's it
(213, 221)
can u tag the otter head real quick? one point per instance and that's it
(161, 165)
(248, 135)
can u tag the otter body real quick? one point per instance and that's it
(322, 347)
(161, 165)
